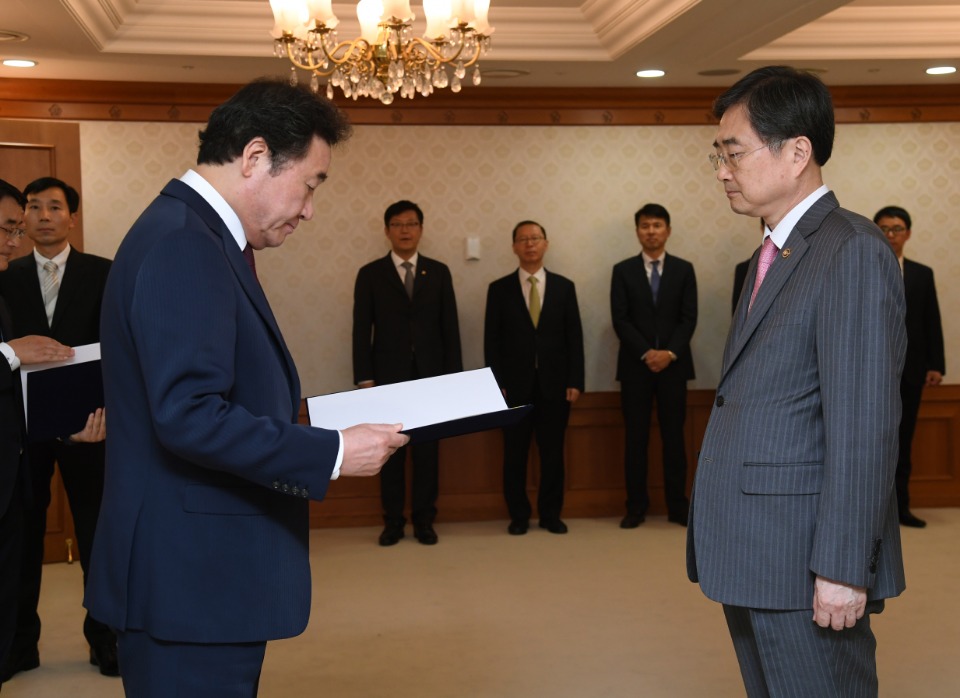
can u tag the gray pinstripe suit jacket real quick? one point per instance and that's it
(795, 476)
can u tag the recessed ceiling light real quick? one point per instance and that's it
(19, 63)
(941, 70)
(654, 73)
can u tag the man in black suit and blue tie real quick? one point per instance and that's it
(405, 327)
(793, 520)
(533, 342)
(56, 292)
(925, 363)
(653, 301)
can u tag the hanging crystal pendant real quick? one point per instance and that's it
(476, 75)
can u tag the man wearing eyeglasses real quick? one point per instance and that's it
(405, 327)
(533, 342)
(14, 474)
(653, 302)
(793, 520)
(56, 292)
(925, 364)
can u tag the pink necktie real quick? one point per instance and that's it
(767, 254)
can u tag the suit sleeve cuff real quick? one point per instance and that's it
(10, 356)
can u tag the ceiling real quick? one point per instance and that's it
(557, 43)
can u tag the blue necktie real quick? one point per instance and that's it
(655, 279)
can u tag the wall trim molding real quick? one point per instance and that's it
(79, 100)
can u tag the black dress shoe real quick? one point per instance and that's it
(908, 519)
(425, 534)
(631, 520)
(23, 659)
(678, 519)
(553, 525)
(518, 528)
(104, 655)
(391, 534)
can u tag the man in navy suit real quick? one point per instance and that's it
(793, 522)
(405, 327)
(56, 292)
(201, 554)
(653, 301)
(14, 474)
(925, 363)
(533, 342)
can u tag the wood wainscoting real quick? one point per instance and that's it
(470, 475)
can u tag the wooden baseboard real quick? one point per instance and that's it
(470, 466)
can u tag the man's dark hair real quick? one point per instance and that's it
(783, 102)
(44, 183)
(523, 223)
(7, 189)
(287, 117)
(401, 207)
(651, 211)
(893, 212)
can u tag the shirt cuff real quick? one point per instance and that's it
(336, 468)
(10, 355)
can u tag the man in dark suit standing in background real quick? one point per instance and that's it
(793, 517)
(14, 473)
(533, 342)
(405, 327)
(653, 301)
(56, 292)
(201, 554)
(925, 363)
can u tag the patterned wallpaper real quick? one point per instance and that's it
(582, 183)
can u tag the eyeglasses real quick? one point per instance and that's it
(732, 160)
(405, 226)
(892, 229)
(13, 233)
(532, 240)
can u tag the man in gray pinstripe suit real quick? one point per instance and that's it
(793, 522)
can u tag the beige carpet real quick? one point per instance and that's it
(598, 613)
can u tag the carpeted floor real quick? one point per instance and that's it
(598, 613)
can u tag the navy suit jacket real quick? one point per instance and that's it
(924, 331)
(795, 474)
(203, 530)
(642, 324)
(520, 354)
(391, 331)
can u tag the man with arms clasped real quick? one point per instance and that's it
(533, 342)
(793, 522)
(405, 327)
(653, 303)
(925, 363)
(201, 549)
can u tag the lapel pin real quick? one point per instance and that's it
(786, 252)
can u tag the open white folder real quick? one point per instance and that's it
(429, 408)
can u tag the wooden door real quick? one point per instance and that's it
(28, 150)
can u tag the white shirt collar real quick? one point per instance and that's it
(60, 259)
(229, 217)
(540, 274)
(780, 234)
(398, 260)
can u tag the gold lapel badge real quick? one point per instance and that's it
(785, 253)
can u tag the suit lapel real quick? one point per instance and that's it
(70, 285)
(517, 299)
(787, 261)
(392, 277)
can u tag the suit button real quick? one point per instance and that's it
(719, 400)
(276, 484)
(286, 487)
(295, 490)
(304, 493)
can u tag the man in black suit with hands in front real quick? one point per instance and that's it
(56, 292)
(405, 327)
(533, 342)
(653, 301)
(925, 363)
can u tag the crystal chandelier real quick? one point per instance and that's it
(386, 59)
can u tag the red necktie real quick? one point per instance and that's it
(248, 255)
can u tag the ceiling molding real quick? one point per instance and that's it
(867, 33)
(622, 24)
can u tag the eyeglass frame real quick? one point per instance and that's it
(732, 161)
(407, 225)
(894, 229)
(13, 233)
(531, 240)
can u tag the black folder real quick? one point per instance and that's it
(60, 399)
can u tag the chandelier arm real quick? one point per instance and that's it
(436, 55)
